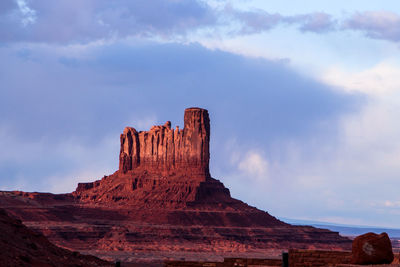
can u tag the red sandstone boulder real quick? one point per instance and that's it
(372, 248)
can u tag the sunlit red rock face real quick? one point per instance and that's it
(162, 202)
(165, 151)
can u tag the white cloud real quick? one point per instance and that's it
(381, 79)
(254, 165)
(143, 124)
(394, 204)
(28, 14)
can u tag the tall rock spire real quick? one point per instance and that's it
(165, 151)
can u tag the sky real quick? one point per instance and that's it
(303, 96)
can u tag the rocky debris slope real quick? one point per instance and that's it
(162, 198)
(21, 246)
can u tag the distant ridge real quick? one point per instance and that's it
(344, 229)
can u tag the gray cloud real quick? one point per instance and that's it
(73, 21)
(157, 16)
(317, 22)
(257, 21)
(382, 25)
(68, 21)
(374, 24)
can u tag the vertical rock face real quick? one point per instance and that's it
(165, 151)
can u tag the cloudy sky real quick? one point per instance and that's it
(304, 96)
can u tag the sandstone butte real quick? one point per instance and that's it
(162, 203)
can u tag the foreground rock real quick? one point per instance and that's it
(162, 202)
(371, 248)
(21, 246)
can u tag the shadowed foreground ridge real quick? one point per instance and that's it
(21, 246)
(161, 203)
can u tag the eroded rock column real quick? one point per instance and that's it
(166, 151)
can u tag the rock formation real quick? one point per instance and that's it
(162, 167)
(371, 248)
(161, 201)
(164, 151)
